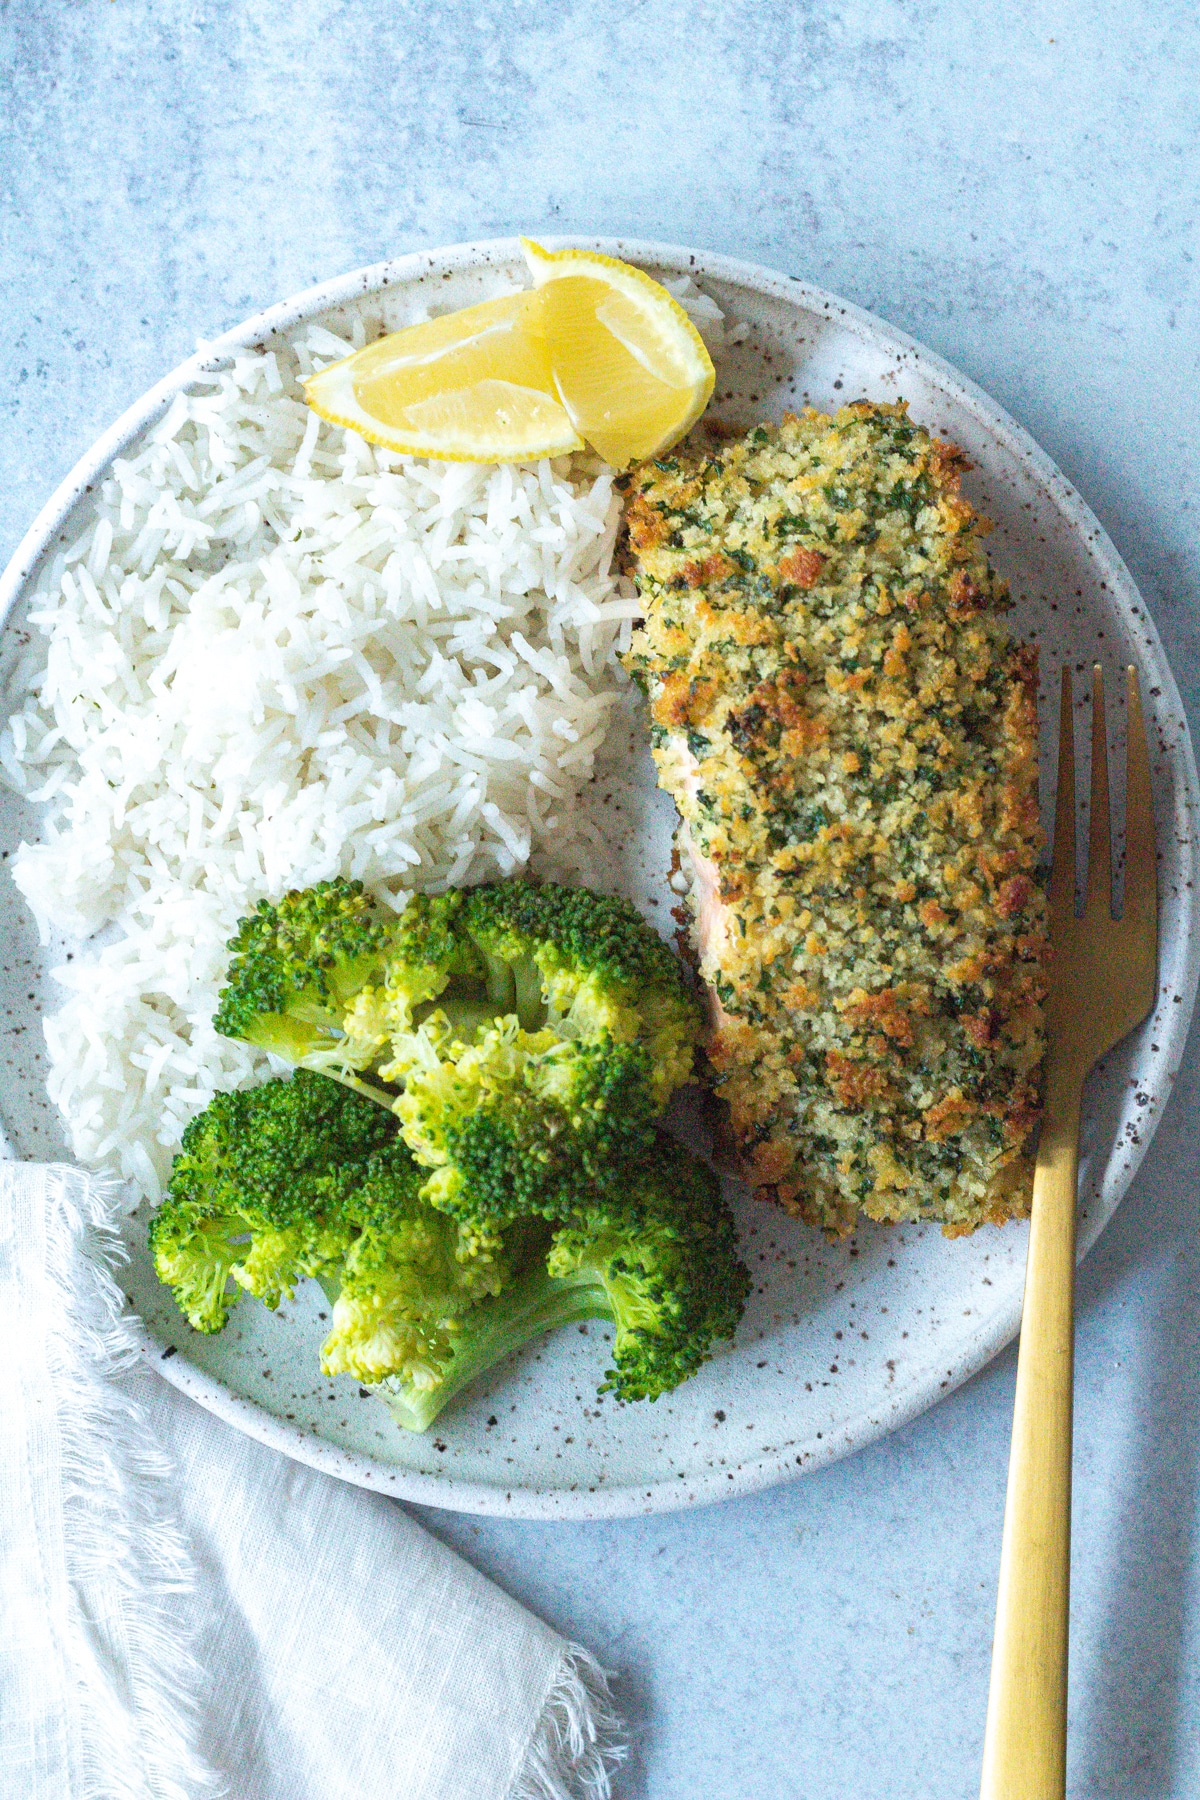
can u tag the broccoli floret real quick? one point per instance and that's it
(662, 1266)
(541, 1076)
(256, 1192)
(536, 1034)
(531, 1305)
(195, 1258)
(406, 1283)
(667, 1264)
(296, 964)
(520, 1123)
(598, 970)
(303, 1177)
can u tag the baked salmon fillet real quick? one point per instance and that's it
(850, 737)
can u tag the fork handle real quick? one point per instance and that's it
(1025, 1745)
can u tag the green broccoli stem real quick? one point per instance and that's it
(527, 984)
(468, 1013)
(368, 1090)
(473, 1006)
(492, 1330)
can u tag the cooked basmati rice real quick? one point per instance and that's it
(276, 654)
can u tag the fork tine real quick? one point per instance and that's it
(1141, 885)
(1062, 869)
(1099, 882)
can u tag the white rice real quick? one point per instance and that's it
(273, 655)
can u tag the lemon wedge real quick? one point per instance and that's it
(629, 366)
(596, 351)
(476, 385)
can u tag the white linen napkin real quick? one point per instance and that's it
(188, 1614)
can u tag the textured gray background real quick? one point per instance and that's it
(1016, 186)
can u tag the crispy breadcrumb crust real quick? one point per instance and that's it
(851, 739)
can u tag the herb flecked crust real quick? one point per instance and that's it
(851, 739)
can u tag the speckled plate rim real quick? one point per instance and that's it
(982, 1344)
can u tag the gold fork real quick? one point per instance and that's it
(1103, 973)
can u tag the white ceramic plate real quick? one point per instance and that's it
(839, 1344)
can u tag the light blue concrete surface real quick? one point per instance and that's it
(1017, 186)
